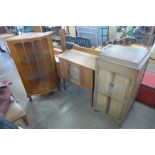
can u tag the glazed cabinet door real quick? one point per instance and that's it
(31, 54)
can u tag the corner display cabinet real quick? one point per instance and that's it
(118, 74)
(34, 58)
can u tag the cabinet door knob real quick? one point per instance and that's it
(111, 84)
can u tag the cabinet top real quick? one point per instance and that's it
(7, 35)
(27, 36)
(80, 58)
(132, 57)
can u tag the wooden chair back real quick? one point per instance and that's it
(62, 39)
(86, 50)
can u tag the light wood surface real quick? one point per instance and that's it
(56, 45)
(3, 39)
(27, 36)
(62, 39)
(6, 35)
(37, 29)
(33, 55)
(128, 56)
(117, 82)
(138, 46)
(77, 74)
(86, 50)
(87, 78)
(80, 58)
(57, 51)
(57, 48)
(78, 67)
(64, 69)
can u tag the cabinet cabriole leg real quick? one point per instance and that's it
(30, 98)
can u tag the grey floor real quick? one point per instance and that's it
(70, 109)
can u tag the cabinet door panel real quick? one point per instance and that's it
(115, 109)
(104, 78)
(86, 76)
(74, 73)
(101, 102)
(121, 87)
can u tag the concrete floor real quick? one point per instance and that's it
(69, 109)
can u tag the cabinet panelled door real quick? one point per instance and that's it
(112, 88)
(118, 74)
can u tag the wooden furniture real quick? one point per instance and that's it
(34, 58)
(118, 74)
(37, 29)
(67, 41)
(15, 112)
(144, 35)
(139, 46)
(62, 39)
(81, 41)
(5, 36)
(86, 50)
(78, 67)
(57, 48)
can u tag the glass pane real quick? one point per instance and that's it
(40, 59)
(46, 52)
(32, 60)
(25, 68)
(21, 53)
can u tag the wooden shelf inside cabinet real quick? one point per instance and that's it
(33, 55)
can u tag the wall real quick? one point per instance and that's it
(72, 31)
(112, 32)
